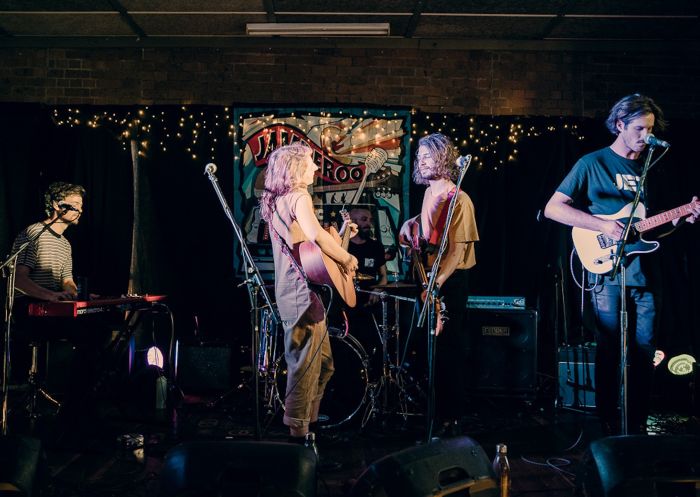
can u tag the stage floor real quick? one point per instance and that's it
(86, 454)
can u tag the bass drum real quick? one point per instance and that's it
(347, 389)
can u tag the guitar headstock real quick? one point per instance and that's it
(463, 161)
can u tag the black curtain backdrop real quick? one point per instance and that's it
(186, 242)
(35, 153)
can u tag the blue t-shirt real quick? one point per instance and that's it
(603, 182)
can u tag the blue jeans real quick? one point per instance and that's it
(641, 311)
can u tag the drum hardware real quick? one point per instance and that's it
(346, 392)
(261, 367)
(350, 387)
(267, 359)
(392, 378)
(394, 284)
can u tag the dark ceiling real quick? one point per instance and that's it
(628, 24)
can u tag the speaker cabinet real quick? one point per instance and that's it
(641, 466)
(457, 466)
(217, 468)
(505, 351)
(21, 465)
(577, 376)
(204, 368)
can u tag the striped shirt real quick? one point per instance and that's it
(49, 257)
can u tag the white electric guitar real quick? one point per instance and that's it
(597, 251)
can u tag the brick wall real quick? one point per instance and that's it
(489, 82)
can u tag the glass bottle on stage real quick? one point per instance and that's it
(501, 467)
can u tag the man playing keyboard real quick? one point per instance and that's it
(45, 272)
(45, 268)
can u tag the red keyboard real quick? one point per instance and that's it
(75, 308)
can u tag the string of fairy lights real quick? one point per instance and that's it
(199, 131)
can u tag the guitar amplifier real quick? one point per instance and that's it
(204, 368)
(505, 351)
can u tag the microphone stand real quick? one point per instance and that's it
(431, 295)
(619, 265)
(255, 285)
(10, 264)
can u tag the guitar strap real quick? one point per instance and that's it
(440, 226)
(286, 250)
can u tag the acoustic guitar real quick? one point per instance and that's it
(324, 270)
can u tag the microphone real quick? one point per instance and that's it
(68, 207)
(655, 142)
(210, 168)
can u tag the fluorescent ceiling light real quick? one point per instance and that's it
(318, 29)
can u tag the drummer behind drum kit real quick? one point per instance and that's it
(354, 384)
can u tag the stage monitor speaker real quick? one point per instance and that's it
(577, 376)
(642, 466)
(456, 466)
(204, 368)
(21, 459)
(505, 346)
(240, 469)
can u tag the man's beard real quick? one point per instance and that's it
(429, 174)
(365, 234)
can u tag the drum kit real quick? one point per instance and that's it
(377, 387)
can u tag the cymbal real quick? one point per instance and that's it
(363, 277)
(395, 284)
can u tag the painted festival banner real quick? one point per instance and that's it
(364, 161)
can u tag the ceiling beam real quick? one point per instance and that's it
(124, 14)
(384, 42)
(270, 10)
(413, 21)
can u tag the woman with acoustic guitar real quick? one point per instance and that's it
(436, 165)
(287, 207)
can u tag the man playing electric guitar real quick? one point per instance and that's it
(601, 184)
(435, 165)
